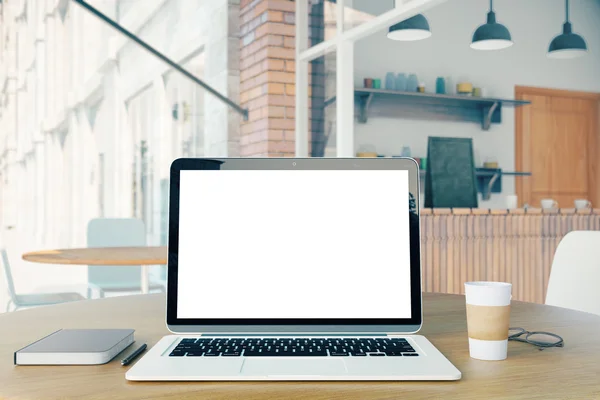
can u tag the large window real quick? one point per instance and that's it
(322, 104)
(90, 121)
(186, 101)
(316, 42)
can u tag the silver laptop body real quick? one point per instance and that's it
(294, 269)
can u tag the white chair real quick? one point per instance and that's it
(31, 300)
(117, 232)
(575, 276)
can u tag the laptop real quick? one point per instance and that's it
(294, 269)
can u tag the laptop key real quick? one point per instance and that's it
(338, 354)
(393, 354)
(377, 354)
(194, 354)
(231, 354)
(176, 353)
(284, 354)
(410, 354)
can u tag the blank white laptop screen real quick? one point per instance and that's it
(294, 244)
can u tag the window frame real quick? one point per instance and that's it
(343, 45)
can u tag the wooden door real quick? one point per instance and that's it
(556, 139)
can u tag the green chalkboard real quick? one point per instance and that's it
(450, 178)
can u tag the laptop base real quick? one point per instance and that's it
(430, 365)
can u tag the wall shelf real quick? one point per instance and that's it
(429, 105)
(488, 180)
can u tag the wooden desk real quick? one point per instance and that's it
(572, 372)
(109, 256)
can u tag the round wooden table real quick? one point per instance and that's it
(572, 372)
(110, 256)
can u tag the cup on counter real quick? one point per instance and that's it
(390, 81)
(549, 204)
(376, 83)
(368, 83)
(405, 152)
(440, 85)
(366, 154)
(490, 164)
(511, 201)
(582, 204)
(488, 317)
(401, 81)
(412, 83)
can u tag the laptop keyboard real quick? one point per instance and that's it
(286, 347)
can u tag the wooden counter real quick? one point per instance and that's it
(516, 246)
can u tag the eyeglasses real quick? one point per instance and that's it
(540, 339)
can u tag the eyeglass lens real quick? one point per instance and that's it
(543, 338)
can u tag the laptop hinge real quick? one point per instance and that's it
(346, 334)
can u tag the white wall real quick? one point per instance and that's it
(532, 23)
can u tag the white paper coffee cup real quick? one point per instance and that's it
(488, 317)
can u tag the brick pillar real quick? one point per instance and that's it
(267, 77)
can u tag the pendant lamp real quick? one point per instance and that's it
(491, 35)
(414, 28)
(567, 44)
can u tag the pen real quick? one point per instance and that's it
(127, 360)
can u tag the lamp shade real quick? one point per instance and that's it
(567, 44)
(491, 35)
(414, 28)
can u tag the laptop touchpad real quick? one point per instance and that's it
(293, 366)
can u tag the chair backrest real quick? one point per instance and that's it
(8, 275)
(575, 276)
(115, 232)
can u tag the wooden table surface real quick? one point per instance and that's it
(144, 255)
(572, 372)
